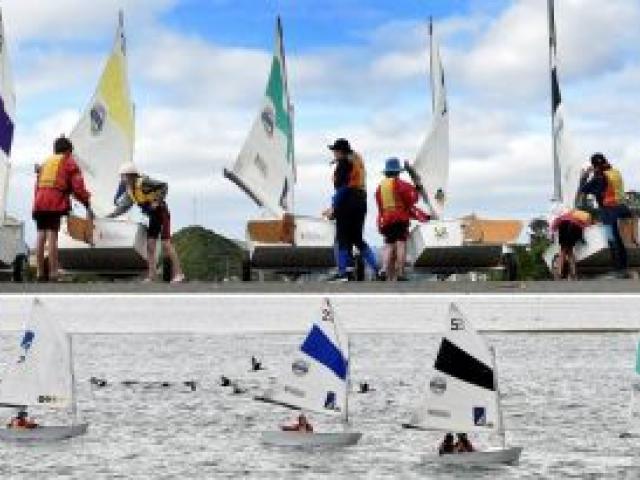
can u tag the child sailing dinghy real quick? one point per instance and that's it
(464, 396)
(265, 171)
(103, 140)
(317, 381)
(451, 245)
(13, 249)
(43, 376)
(592, 255)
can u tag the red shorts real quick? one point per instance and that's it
(160, 223)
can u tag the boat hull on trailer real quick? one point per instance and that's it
(593, 255)
(298, 439)
(120, 248)
(484, 458)
(43, 433)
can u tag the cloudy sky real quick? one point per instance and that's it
(358, 68)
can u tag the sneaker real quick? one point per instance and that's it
(338, 278)
(178, 278)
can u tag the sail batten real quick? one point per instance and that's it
(265, 167)
(318, 377)
(104, 136)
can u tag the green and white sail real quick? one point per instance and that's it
(7, 119)
(431, 166)
(265, 167)
(104, 137)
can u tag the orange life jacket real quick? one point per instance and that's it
(51, 175)
(358, 175)
(389, 197)
(614, 192)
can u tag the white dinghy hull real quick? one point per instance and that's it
(43, 434)
(120, 249)
(485, 458)
(298, 439)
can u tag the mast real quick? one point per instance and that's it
(555, 100)
(74, 405)
(290, 109)
(496, 385)
(431, 60)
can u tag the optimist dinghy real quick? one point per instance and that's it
(265, 170)
(43, 376)
(463, 395)
(13, 249)
(446, 246)
(317, 381)
(103, 140)
(592, 255)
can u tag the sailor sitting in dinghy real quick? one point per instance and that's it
(22, 420)
(150, 196)
(447, 446)
(303, 425)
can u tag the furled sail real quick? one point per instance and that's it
(104, 137)
(7, 118)
(461, 394)
(42, 373)
(265, 167)
(567, 166)
(318, 377)
(431, 167)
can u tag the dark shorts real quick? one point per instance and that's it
(160, 223)
(47, 220)
(395, 232)
(569, 234)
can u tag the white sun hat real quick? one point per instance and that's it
(128, 169)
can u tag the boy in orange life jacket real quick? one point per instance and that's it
(149, 195)
(58, 178)
(607, 186)
(395, 199)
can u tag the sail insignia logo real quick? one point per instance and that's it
(440, 232)
(25, 344)
(268, 119)
(300, 368)
(98, 116)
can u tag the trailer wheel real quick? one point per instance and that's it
(510, 266)
(20, 266)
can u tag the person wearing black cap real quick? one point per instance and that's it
(607, 186)
(349, 208)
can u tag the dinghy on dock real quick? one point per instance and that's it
(463, 395)
(265, 170)
(103, 140)
(448, 246)
(42, 377)
(13, 248)
(318, 380)
(593, 256)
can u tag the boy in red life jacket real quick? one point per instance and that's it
(569, 225)
(58, 178)
(22, 420)
(396, 200)
(302, 425)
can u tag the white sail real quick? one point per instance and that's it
(265, 167)
(432, 162)
(7, 118)
(461, 394)
(42, 373)
(567, 165)
(104, 137)
(318, 377)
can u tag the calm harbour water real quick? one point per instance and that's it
(565, 401)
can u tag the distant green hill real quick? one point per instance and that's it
(205, 255)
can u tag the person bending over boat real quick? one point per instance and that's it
(607, 185)
(463, 445)
(569, 226)
(349, 209)
(22, 420)
(150, 195)
(58, 178)
(302, 425)
(396, 200)
(447, 446)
